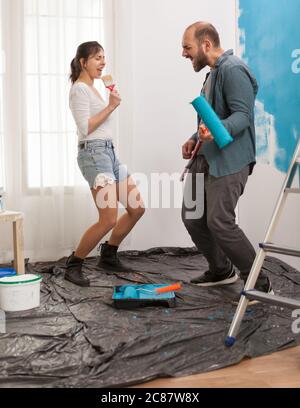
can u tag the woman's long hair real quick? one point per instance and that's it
(85, 50)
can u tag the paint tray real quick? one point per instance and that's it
(135, 296)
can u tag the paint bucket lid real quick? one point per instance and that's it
(20, 279)
(7, 272)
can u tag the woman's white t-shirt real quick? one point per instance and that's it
(85, 103)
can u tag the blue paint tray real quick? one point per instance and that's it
(4, 272)
(134, 296)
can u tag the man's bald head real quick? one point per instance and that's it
(203, 30)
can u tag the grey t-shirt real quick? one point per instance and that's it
(207, 86)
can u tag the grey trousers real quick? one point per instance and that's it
(216, 233)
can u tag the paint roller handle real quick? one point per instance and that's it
(164, 289)
(204, 133)
(212, 122)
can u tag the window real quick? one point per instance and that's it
(53, 31)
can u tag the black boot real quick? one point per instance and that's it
(74, 273)
(109, 259)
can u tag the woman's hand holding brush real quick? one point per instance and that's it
(114, 99)
(114, 96)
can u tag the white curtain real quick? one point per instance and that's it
(41, 178)
(1, 110)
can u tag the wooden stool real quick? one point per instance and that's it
(17, 219)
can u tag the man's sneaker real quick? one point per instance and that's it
(265, 288)
(208, 279)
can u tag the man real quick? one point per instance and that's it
(231, 90)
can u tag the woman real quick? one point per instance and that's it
(108, 179)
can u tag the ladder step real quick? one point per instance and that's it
(293, 190)
(298, 160)
(272, 299)
(279, 250)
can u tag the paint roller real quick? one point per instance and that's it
(131, 292)
(212, 122)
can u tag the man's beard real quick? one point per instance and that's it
(200, 61)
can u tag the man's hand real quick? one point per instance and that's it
(187, 149)
(204, 134)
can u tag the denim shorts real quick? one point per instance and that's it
(98, 163)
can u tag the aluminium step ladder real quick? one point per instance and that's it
(249, 293)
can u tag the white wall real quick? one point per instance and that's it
(257, 206)
(157, 85)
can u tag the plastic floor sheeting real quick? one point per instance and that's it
(76, 338)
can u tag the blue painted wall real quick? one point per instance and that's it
(270, 37)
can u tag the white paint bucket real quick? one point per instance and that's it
(21, 292)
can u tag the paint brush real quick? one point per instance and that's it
(108, 82)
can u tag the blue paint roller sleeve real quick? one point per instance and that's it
(212, 122)
(130, 293)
